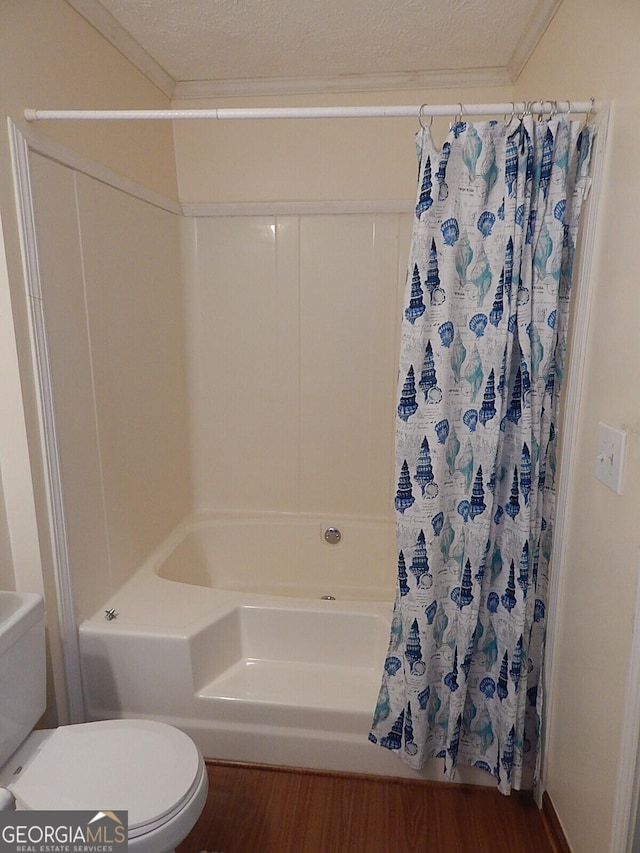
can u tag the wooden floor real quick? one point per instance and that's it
(259, 809)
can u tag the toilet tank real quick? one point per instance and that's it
(23, 678)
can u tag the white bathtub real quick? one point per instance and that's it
(284, 555)
(224, 634)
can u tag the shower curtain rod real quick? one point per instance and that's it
(418, 111)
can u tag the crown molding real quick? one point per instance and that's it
(540, 20)
(112, 30)
(254, 86)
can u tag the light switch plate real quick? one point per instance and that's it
(610, 456)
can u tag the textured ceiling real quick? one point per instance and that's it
(222, 40)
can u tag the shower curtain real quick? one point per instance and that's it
(481, 364)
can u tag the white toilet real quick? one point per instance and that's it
(149, 769)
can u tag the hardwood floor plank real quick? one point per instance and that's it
(261, 809)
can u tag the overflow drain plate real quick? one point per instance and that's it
(332, 535)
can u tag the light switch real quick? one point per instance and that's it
(610, 456)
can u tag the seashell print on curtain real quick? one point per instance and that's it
(481, 361)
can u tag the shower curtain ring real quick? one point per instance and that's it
(421, 114)
(512, 116)
(457, 119)
(592, 103)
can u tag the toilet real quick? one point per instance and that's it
(152, 770)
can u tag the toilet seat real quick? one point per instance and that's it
(147, 768)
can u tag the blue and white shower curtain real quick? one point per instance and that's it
(481, 364)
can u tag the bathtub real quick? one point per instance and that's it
(225, 632)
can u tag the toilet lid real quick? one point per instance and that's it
(146, 768)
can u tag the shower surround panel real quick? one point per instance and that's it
(292, 351)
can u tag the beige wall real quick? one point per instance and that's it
(312, 160)
(591, 49)
(50, 57)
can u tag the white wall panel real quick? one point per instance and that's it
(292, 337)
(131, 264)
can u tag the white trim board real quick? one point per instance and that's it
(298, 208)
(625, 801)
(60, 153)
(46, 416)
(583, 288)
(454, 78)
